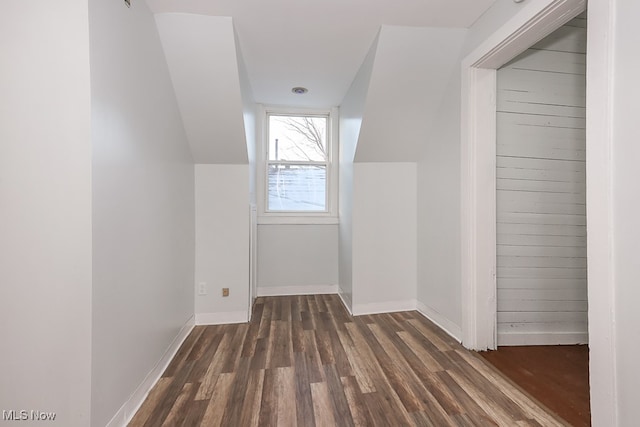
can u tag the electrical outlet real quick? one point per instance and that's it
(225, 292)
(202, 288)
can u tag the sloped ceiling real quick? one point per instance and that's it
(201, 55)
(353, 105)
(408, 80)
(319, 45)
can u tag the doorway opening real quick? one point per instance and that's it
(480, 264)
(541, 243)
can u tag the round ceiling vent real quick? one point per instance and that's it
(299, 90)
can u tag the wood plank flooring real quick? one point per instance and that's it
(556, 375)
(303, 360)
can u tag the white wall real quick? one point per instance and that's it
(45, 210)
(439, 172)
(438, 175)
(250, 111)
(626, 207)
(439, 215)
(388, 112)
(384, 237)
(222, 243)
(143, 206)
(345, 230)
(296, 259)
(351, 112)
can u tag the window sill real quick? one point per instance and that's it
(297, 220)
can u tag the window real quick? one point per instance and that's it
(298, 177)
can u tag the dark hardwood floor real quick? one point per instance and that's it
(558, 376)
(304, 361)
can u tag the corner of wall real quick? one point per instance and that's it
(133, 404)
(440, 320)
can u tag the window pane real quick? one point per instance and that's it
(297, 188)
(298, 138)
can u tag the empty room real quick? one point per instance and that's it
(218, 212)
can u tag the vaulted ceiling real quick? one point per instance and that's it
(318, 45)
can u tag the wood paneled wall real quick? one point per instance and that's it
(541, 207)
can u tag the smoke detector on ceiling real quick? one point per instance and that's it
(299, 90)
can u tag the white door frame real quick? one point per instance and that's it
(535, 21)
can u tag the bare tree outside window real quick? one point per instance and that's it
(297, 163)
(313, 132)
(298, 138)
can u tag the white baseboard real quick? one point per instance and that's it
(543, 338)
(346, 300)
(383, 307)
(131, 406)
(223, 318)
(274, 291)
(441, 321)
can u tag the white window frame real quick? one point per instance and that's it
(330, 216)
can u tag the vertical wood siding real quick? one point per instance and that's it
(541, 210)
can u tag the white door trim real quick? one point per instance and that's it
(478, 156)
(601, 284)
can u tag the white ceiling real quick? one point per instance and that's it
(317, 44)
